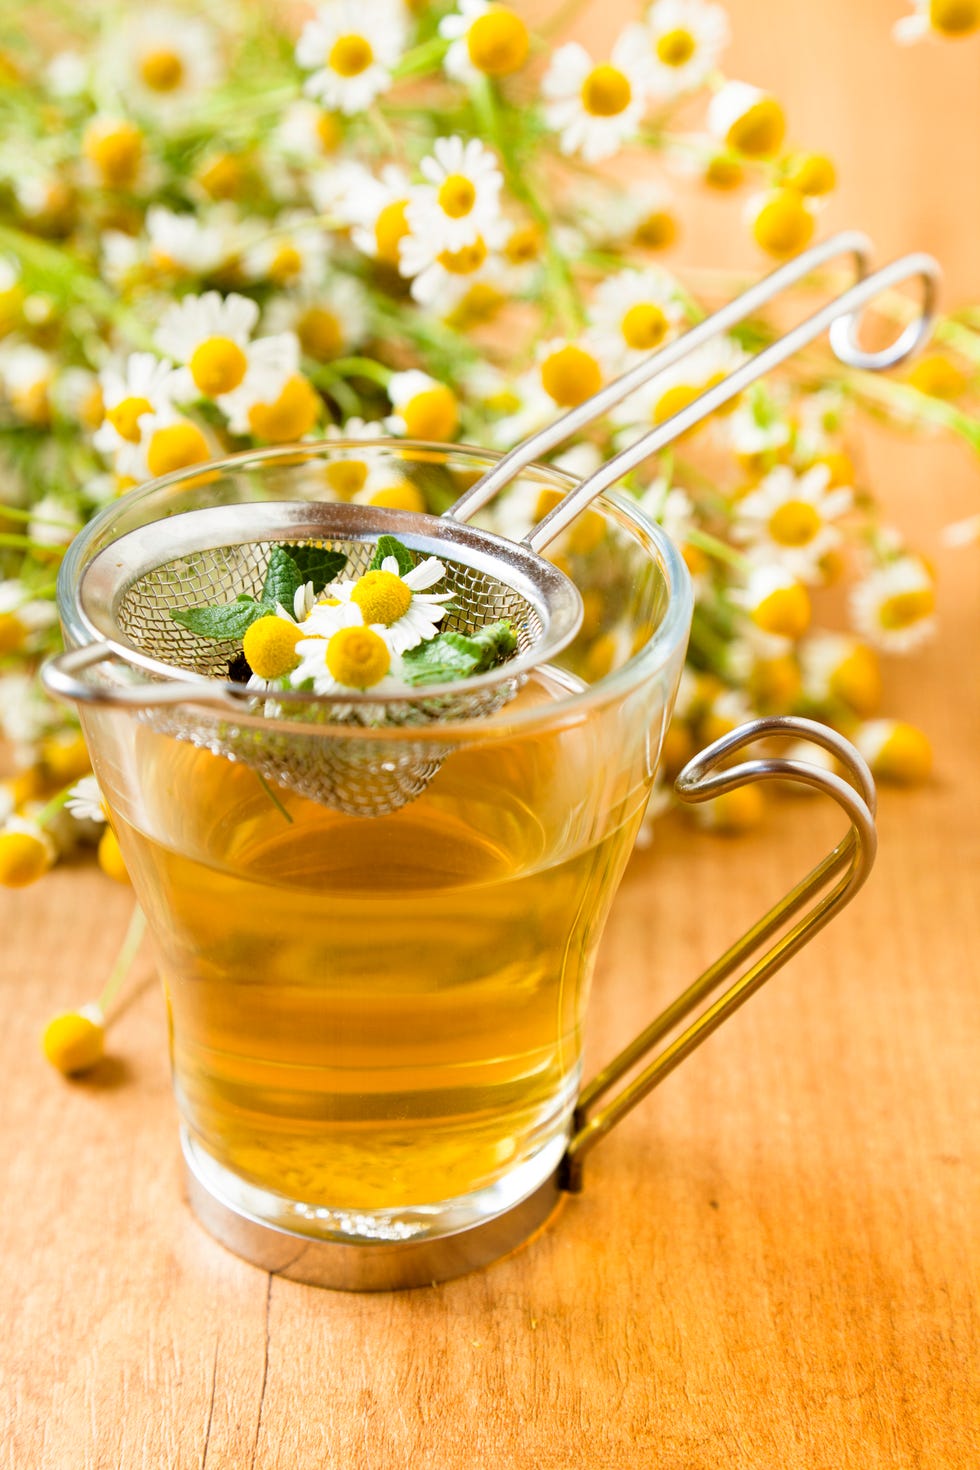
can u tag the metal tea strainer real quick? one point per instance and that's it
(141, 659)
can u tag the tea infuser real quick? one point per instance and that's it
(143, 660)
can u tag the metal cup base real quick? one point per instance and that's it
(371, 1265)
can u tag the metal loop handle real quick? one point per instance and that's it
(840, 316)
(846, 242)
(64, 677)
(850, 863)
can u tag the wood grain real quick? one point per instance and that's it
(774, 1262)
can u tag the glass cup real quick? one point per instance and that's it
(376, 1022)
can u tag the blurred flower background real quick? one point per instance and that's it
(239, 225)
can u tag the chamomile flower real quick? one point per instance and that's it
(376, 208)
(596, 108)
(676, 387)
(294, 253)
(820, 418)
(26, 852)
(949, 19)
(22, 616)
(633, 314)
(460, 201)
(85, 801)
(330, 318)
(399, 605)
(686, 39)
(350, 47)
(841, 669)
(168, 442)
(352, 658)
(212, 335)
(163, 60)
(747, 119)
(424, 407)
(487, 40)
(790, 519)
(26, 376)
(760, 424)
(776, 602)
(54, 522)
(444, 282)
(143, 385)
(186, 244)
(307, 133)
(896, 751)
(113, 152)
(894, 607)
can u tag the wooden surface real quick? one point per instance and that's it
(774, 1263)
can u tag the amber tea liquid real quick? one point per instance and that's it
(372, 1014)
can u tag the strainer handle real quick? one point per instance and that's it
(64, 676)
(846, 242)
(849, 863)
(840, 317)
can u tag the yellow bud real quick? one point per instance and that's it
(290, 416)
(75, 1040)
(570, 375)
(896, 751)
(783, 225)
(810, 173)
(785, 611)
(110, 858)
(269, 646)
(935, 375)
(25, 856)
(733, 813)
(431, 414)
(498, 42)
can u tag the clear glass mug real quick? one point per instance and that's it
(376, 1022)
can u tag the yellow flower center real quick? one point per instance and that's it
(465, 261)
(175, 447)
(673, 401)
(675, 48)
(606, 91)
(329, 132)
(760, 130)
(358, 658)
(12, 633)
(350, 55)
(723, 173)
(382, 597)
(795, 523)
(570, 375)
(433, 414)
(905, 756)
(811, 173)
(481, 302)
(937, 376)
(24, 859)
(904, 609)
(784, 612)
(269, 646)
(161, 71)
(110, 857)
(644, 326)
(320, 333)
(523, 244)
(498, 42)
(456, 196)
(115, 150)
(290, 416)
(73, 1042)
(390, 228)
(856, 681)
(286, 265)
(65, 757)
(783, 225)
(736, 811)
(217, 366)
(401, 496)
(222, 177)
(775, 682)
(346, 476)
(954, 17)
(125, 416)
(656, 231)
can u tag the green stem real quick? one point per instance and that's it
(908, 401)
(274, 798)
(362, 367)
(124, 959)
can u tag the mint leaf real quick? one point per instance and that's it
(282, 579)
(451, 656)
(390, 546)
(316, 564)
(231, 621)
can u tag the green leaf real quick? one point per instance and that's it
(316, 564)
(390, 546)
(451, 656)
(282, 579)
(231, 621)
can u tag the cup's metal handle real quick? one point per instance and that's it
(64, 676)
(849, 864)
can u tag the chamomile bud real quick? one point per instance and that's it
(110, 857)
(747, 120)
(896, 751)
(733, 813)
(26, 852)
(74, 1041)
(269, 646)
(781, 222)
(776, 602)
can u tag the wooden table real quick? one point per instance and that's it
(774, 1262)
